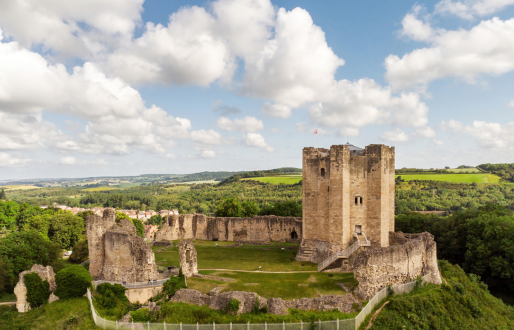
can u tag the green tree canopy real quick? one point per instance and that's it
(20, 250)
(66, 229)
(283, 209)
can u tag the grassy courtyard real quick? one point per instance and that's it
(283, 285)
(287, 278)
(273, 258)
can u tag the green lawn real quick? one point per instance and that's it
(276, 285)
(457, 178)
(286, 179)
(239, 258)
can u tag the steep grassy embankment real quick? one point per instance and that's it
(463, 303)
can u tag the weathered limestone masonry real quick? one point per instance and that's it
(116, 253)
(20, 290)
(188, 258)
(346, 190)
(408, 256)
(220, 301)
(343, 303)
(255, 229)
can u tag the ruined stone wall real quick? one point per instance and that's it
(116, 253)
(96, 227)
(255, 229)
(411, 256)
(343, 303)
(220, 301)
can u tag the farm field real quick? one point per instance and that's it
(289, 179)
(464, 170)
(285, 286)
(195, 182)
(19, 187)
(456, 178)
(274, 258)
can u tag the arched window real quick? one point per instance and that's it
(322, 172)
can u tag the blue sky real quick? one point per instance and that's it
(118, 87)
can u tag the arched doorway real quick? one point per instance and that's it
(294, 235)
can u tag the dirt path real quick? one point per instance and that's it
(259, 271)
(375, 315)
(8, 303)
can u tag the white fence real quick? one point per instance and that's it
(348, 324)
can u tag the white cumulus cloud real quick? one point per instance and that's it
(487, 135)
(68, 160)
(7, 160)
(246, 124)
(256, 140)
(469, 9)
(485, 49)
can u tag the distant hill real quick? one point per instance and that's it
(256, 174)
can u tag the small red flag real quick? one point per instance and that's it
(316, 132)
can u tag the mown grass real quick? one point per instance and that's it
(270, 257)
(464, 303)
(19, 187)
(63, 314)
(276, 285)
(278, 179)
(457, 178)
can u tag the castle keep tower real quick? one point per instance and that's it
(348, 192)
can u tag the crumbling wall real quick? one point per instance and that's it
(188, 258)
(414, 255)
(255, 229)
(220, 301)
(116, 253)
(96, 227)
(20, 290)
(343, 303)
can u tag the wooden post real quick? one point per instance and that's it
(248, 325)
(230, 325)
(180, 325)
(337, 324)
(164, 325)
(213, 326)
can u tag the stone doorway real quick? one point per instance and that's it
(358, 229)
(294, 235)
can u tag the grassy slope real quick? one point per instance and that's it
(445, 307)
(278, 179)
(239, 258)
(62, 314)
(284, 286)
(458, 178)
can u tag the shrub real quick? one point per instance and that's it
(110, 294)
(171, 286)
(232, 306)
(37, 290)
(141, 315)
(72, 282)
(255, 307)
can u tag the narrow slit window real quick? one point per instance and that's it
(356, 200)
(322, 172)
(360, 198)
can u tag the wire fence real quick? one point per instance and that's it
(347, 324)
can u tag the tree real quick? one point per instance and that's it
(20, 250)
(249, 209)
(66, 229)
(140, 228)
(2, 195)
(80, 252)
(72, 282)
(39, 224)
(229, 207)
(155, 220)
(283, 209)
